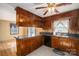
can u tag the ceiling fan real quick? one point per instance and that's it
(52, 6)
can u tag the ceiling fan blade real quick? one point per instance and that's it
(40, 7)
(56, 10)
(45, 12)
(62, 4)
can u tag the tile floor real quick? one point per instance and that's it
(44, 51)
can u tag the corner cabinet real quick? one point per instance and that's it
(26, 19)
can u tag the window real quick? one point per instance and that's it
(31, 31)
(61, 26)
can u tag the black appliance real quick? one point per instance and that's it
(47, 38)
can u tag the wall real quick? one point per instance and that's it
(5, 31)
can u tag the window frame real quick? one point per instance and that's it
(30, 32)
(60, 20)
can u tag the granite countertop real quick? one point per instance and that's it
(22, 37)
(67, 36)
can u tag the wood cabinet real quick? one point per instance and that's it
(74, 46)
(47, 23)
(55, 42)
(73, 15)
(74, 24)
(69, 45)
(26, 19)
(18, 46)
(37, 22)
(27, 45)
(21, 19)
(23, 47)
(36, 42)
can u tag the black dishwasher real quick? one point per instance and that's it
(47, 40)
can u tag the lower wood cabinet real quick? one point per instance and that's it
(55, 42)
(70, 45)
(27, 45)
(36, 42)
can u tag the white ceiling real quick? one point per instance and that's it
(7, 10)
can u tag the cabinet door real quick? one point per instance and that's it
(36, 42)
(55, 42)
(73, 46)
(37, 21)
(26, 46)
(47, 24)
(33, 42)
(65, 44)
(21, 20)
(18, 46)
(26, 19)
(77, 50)
(39, 42)
(78, 24)
(73, 24)
(77, 47)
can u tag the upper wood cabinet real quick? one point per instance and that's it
(73, 24)
(26, 19)
(47, 23)
(73, 15)
(37, 21)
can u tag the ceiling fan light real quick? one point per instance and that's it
(49, 9)
(52, 8)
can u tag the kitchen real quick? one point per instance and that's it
(58, 33)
